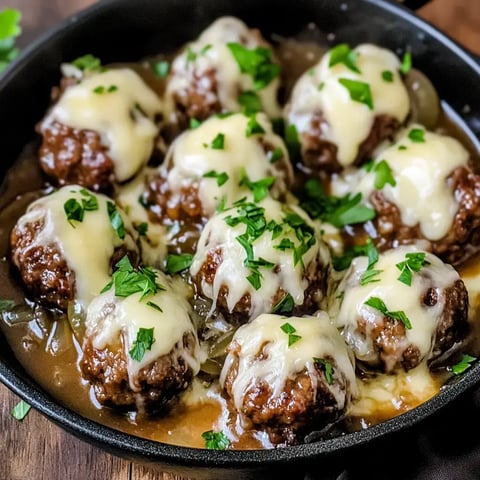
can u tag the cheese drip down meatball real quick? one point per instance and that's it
(257, 258)
(101, 130)
(421, 188)
(140, 351)
(404, 309)
(217, 163)
(346, 105)
(289, 376)
(227, 67)
(67, 243)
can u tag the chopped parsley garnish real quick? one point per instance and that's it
(321, 86)
(464, 364)
(387, 76)
(192, 56)
(285, 305)
(128, 280)
(290, 330)
(402, 147)
(116, 220)
(343, 262)
(253, 127)
(75, 210)
(218, 143)
(179, 263)
(215, 440)
(327, 368)
(417, 135)
(250, 101)
(143, 342)
(101, 89)
(275, 155)
(378, 304)
(406, 65)
(344, 54)
(257, 63)
(292, 141)
(339, 211)
(383, 175)
(359, 91)
(87, 62)
(413, 264)
(142, 228)
(259, 188)
(161, 68)
(154, 306)
(221, 177)
(10, 29)
(370, 275)
(20, 410)
(194, 123)
(6, 305)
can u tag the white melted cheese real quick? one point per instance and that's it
(127, 132)
(397, 296)
(420, 172)
(348, 122)
(109, 317)
(86, 246)
(154, 242)
(280, 362)
(213, 54)
(191, 157)
(232, 272)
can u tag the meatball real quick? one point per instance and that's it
(226, 66)
(66, 243)
(289, 376)
(140, 351)
(406, 308)
(101, 130)
(422, 189)
(345, 106)
(261, 258)
(216, 164)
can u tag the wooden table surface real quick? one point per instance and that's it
(35, 448)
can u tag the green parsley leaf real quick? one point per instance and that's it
(464, 364)
(378, 304)
(215, 440)
(87, 62)
(20, 410)
(406, 65)
(161, 68)
(413, 264)
(116, 220)
(290, 330)
(221, 177)
(74, 211)
(343, 262)
(383, 175)
(359, 91)
(9, 29)
(402, 147)
(259, 188)
(101, 89)
(142, 228)
(370, 276)
(321, 86)
(112, 88)
(256, 62)
(250, 101)
(178, 263)
(6, 305)
(292, 141)
(417, 135)
(344, 54)
(253, 127)
(154, 306)
(327, 368)
(387, 76)
(275, 155)
(191, 55)
(194, 123)
(90, 202)
(218, 142)
(285, 305)
(143, 342)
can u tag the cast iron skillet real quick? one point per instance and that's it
(127, 30)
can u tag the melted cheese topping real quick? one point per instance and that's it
(396, 296)
(124, 118)
(109, 316)
(348, 122)
(86, 246)
(420, 171)
(191, 157)
(232, 272)
(154, 242)
(213, 55)
(280, 362)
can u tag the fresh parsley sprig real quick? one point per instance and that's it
(215, 440)
(142, 343)
(413, 263)
(290, 330)
(378, 304)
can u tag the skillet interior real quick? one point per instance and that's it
(164, 26)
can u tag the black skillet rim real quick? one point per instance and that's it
(136, 447)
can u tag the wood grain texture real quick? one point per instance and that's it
(37, 449)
